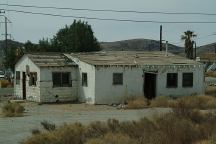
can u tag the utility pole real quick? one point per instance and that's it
(161, 35)
(6, 41)
(195, 48)
(6, 21)
(215, 47)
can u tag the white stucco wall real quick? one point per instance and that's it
(86, 93)
(133, 82)
(32, 92)
(107, 93)
(49, 93)
(198, 82)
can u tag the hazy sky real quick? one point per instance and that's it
(34, 27)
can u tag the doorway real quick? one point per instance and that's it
(150, 85)
(24, 85)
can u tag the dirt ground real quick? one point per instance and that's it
(14, 130)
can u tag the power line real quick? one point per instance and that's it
(111, 10)
(112, 19)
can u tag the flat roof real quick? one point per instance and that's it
(131, 58)
(50, 60)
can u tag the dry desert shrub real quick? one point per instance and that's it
(48, 125)
(163, 101)
(137, 102)
(5, 83)
(199, 102)
(211, 90)
(13, 110)
(211, 74)
(112, 138)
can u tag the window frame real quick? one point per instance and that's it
(33, 79)
(172, 83)
(85, 79)
(117, 79)
(185, 76)
(59, 82)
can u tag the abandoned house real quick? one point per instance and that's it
(106, 77)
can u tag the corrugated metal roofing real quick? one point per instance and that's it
(50, 60)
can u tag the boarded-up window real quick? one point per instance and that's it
(84, 79)
(18, 77)
(187, 80)
(117, 78)
(61, 79)
(32, 79)
(172, 80)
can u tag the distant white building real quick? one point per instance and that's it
(106, 77)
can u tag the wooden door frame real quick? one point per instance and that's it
(24, 85)
(146, 88)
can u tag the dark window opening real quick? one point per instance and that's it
(32, 79)
(18, 77)
(117, 78)
(187, 80)
(84, 79)
(172, 80)
(61, 79)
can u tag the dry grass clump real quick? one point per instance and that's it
(171, 128)
(183, 125)
(192, 102)
(137, 102)
(211, 90)
(211, 74)
(163, 101)
(5, 83)
(13, 110)
(112, 138)
(198, 102)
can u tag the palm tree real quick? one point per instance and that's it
(188, 38)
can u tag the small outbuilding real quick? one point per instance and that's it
(46, 78)
(106, 77)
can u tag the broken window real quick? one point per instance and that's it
(84, 79)
(187, 80)
(61, 79)
(32, 79)
(172, 80)
(117, 78)
(18, 77)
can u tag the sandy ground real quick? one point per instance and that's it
(14, 130)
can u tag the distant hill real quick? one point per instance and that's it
(139, 45)
(206, 48)
(129, 45)
(11, 43)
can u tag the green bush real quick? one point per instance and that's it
(13, 110)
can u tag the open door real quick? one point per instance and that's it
(150, 85)
(24, 85)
